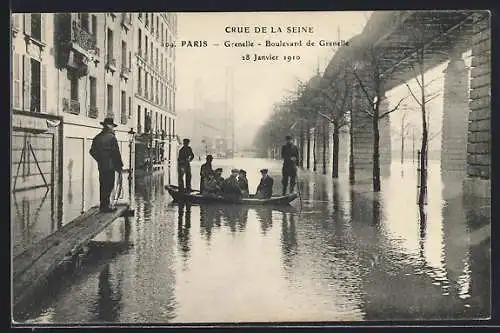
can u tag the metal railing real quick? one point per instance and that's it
(83, 38)
(71, 106)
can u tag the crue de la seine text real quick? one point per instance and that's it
(271, 29)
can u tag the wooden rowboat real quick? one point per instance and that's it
(196, 197)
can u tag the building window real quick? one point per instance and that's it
(161, 63)
(152, 53)
(139, 42)
(73, 87)
(110, 45)
(139, 119)
(139, 80)
(146, 84)
(93, 92)
(123, 103)
(35, 85)
(162, 35)
(156, 60)
(157, 101)
(94, 26)
(36, 26)
(130, 107)
(151, 87)
(110, 100)
(124, 54)
(84, 21)
(157, 27)
(146, 47)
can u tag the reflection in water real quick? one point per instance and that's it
(288, 238)
(109, 297)
(265, 217)
(345, 256)
(183, 229)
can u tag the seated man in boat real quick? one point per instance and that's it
(206, 168)
(243, 183)
(219, 179)
(230, 189)
(211, 187)
(265, 188)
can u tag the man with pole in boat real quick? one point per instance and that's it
(105, 151)
(184, 159)
(290, 155)
(205, 170)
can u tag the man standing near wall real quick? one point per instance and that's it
(106, 152)
(290, 156)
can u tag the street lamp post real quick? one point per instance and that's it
(130, 168)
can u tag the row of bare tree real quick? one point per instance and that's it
(357, 86)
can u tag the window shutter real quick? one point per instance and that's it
(27, 24)
(15, 21)
(43, 27)
(43, 92)
(16, 87)
(27, 83)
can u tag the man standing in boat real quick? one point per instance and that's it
(290, 155)
(205, 170)
(105, 151)
(184, 159)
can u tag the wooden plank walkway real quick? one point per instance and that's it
(34, 265)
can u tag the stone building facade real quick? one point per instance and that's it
(154, 88)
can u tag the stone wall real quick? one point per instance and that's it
(479, 135)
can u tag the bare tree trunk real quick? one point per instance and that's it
(308, 148)
(325, 136)
(301, 148)
(335, 154)
(315, 138)
(423, 155)
(376, 153)
(352, 170)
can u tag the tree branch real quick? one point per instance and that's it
(393, 109)
(431, 98)
(368, 97)
(412, 94)
(326, 117)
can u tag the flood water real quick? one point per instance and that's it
(339, 254)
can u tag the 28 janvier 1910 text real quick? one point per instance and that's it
(269, 57)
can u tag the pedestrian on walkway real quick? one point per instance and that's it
(106, 152)
(184, 159)
(290, 156)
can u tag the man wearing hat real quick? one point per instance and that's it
(290, 155)
(205, 170)
(243, 183)
(230, 189)
(265, 188)
(184, 159)
(106, 152)
(219, 179)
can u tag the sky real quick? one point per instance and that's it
(260, 84)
